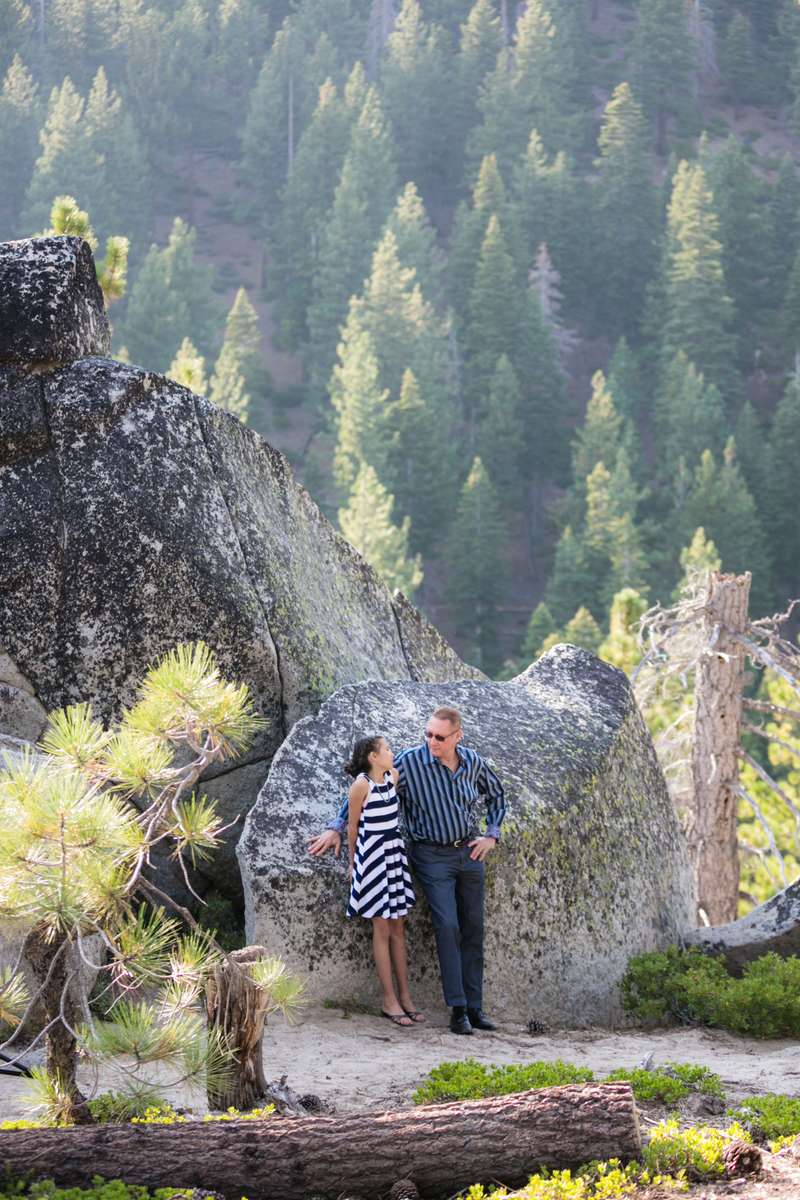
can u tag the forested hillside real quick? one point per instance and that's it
(517, 287)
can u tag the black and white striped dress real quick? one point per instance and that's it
(381, 885)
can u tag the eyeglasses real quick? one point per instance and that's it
(439, 737)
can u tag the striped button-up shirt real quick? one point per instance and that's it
(440, 805)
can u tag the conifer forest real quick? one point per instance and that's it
(516, 287)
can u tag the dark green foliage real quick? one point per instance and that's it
(671, 1083)
(687, 985)
(101, 1189)
(500, 434)
(572, 581)
(471, 1080)
(661, 62)
(20, 117)
(772, 1116)
(540, 626)
(781, 494)
(476, 567)
(689, 417)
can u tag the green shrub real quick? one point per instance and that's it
(773, 1115)
(119, 1107)
(690, 986)
(596, 1181)
(694, 1153)
(471, 1080)
(101, 1189)
(671, 1083)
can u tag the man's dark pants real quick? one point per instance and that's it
(453, 885)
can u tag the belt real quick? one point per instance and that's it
(458, 842)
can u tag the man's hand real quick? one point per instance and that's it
(481, 847)
(323, 842)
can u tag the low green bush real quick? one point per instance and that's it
(687, 985)
(101, 1189)
(671, 1083)
(695, 1153)
(774, 1116)
(471, 1080)
(116, 1107)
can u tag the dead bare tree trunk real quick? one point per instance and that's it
(238, 1009)
(711, 828)
(443, 1147)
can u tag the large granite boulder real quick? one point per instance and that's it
(137, 515)
(591, 868)
(771, 927)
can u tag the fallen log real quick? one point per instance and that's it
(442, 1147)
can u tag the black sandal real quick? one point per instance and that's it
(397, 1019)
(414, 1016)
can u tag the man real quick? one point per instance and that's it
(440, 785)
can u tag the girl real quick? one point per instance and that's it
(380, 887)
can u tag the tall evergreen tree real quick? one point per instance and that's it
(489, 198)
(419, 468)
(721, 502)
(697, 558)
(228, 387)
(626, 211)
(781, 496)
(17, 28)
(417, 246)
(243, 340)
(20, 118)
(361, 405)
(477, 571)
(784, 228)
(122, 197)
(65, 163)
(571, 582)
(367, 524)
(501, 435)
(532, 87)
(479, 45)
(689, 416)
(597, 440)
(697, 308)
(362, 202)
(625, 381)
(621, 648)
(752, 453)
(583, 630)
(661, 63)
(544, 395)
(240, 45)
(418, 94)
(495, 307)
(539, 628)
(738, 62)
(171, 298)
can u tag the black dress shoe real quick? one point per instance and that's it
(459, 1022)
(479, 1020)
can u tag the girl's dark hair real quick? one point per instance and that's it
(359, 760)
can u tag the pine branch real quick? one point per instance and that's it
(771, 738)
(745, 795)
(764, 706)
(773, 784)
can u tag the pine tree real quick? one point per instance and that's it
(570, 583)
(781, 496)
(362, 202)
(738, 60)
(540, 627)
(67, 219)
(621, 648)
(367, 524)
(361, 405)
(228, 388)
(382, 17)
(752, 452)
(784, 229)
(419, 470)
(476, 581)
(721, 502)
(626, 213)
(417, 246)
(305, 204)
(501, 435)
(171, 298)
(17, 26)
(697, 559)
(624, 380)
(495, 307)
(661, 63)
(479, 45)
(532, 87)
(65, 164)
(739, 197)
(20, 118)
(243, 337)
(121, 198)
(544, 394)
(599, 438)
(489, 198)
(582, 630)
(240, 44)
(689, 416)
(188, 368)
(417, 91)
(697, 309)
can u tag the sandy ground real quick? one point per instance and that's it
(358, 1062)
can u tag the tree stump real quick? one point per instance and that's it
(238, 1009)
(442, 1147)
(711, 832)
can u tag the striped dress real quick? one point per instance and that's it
(381, 885)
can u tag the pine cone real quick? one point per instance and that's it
(536, 1027)
(741, 1158)
(312, 1104)
(404, 1189)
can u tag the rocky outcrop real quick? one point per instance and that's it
(591, 869)
(51, 306)
(136, 515)
(772, 927)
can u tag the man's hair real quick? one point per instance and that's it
(444, 713)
